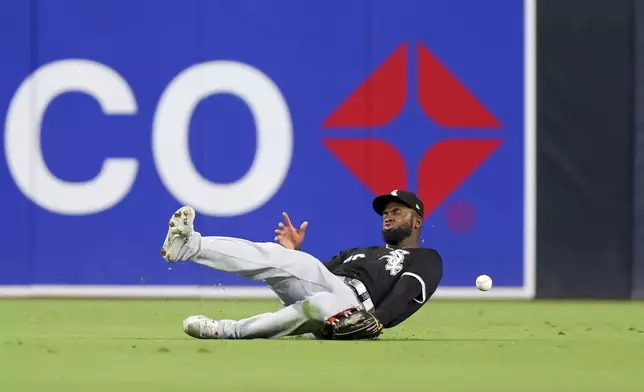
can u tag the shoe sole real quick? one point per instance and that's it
(180, 224)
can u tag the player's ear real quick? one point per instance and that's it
(418, 221)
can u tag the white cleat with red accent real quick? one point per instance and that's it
(180, 228)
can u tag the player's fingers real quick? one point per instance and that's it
(304, 226)
(287, 219)
(281, 225)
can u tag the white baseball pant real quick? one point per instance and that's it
(295, 276)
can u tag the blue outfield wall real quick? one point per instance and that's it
(118, 112)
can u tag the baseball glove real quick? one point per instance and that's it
(352, 324)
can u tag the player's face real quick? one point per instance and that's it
(397, 223)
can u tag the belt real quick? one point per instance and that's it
(361, 292)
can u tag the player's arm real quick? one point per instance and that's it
(337, 259)
(416, 284)
(291, 238)
(288, 236)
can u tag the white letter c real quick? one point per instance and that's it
(23, 128)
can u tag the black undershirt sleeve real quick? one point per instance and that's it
(405, 291)
(415, 285)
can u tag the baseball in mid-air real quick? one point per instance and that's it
(484, 283)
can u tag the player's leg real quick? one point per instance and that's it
(293, 275)
(302, 317)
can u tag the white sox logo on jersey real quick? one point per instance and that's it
(395, 260)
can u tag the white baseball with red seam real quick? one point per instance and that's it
(484, 283)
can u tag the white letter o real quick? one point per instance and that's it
(170, 138)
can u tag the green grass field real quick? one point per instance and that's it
(76, 345)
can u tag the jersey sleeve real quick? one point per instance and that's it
(337, 259)
(415, 286)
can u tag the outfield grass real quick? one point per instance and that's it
(77, 345)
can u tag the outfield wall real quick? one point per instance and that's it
(585, 147)
(118, 112)
(638, 154)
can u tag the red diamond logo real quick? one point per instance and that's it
(378, 101)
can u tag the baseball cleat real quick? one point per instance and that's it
(201, 327)
(180, 228)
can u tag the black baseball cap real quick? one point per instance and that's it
(401, 196)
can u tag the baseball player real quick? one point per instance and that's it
(355, 295)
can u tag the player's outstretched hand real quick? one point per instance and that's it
(287, 235)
